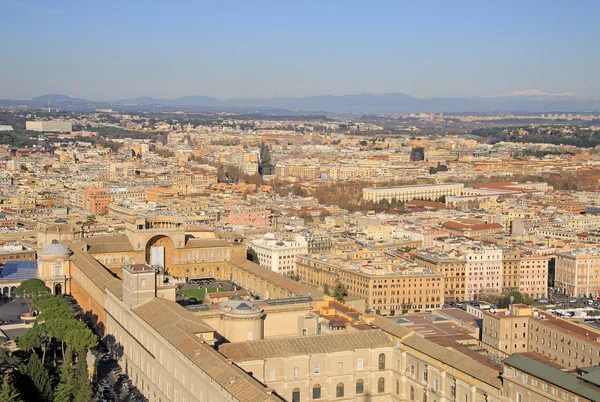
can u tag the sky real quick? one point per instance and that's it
(107, 50)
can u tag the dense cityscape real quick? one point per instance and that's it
(299, 201)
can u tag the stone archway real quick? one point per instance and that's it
(5, 291)
(160, 250)
(58, 289)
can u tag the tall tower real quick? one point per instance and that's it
(49, 110)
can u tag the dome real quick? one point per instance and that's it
(55, 249)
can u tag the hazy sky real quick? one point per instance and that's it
(117, 49)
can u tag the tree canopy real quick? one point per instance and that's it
(30, 289)
(340, 292)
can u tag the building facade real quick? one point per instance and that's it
(577, 272)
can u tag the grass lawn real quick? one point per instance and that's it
(199, 294)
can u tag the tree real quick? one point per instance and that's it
(8, 393)
(326, 289)
(64, 391)
(251, 255)
(82, 391)
(340, 292)
(30, 289)
(31, 339)
(80, 338)
(518, 298)
(40, 377)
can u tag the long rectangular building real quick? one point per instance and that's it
(407, 193)
(386, 285)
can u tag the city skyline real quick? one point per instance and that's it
(270, 50)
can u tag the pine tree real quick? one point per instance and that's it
(40, 377)
(64, 391)
(82, 390)
(8, 393)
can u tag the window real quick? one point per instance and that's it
(412, 393)
(360, 386)
(565, 396)
(316, 392)
(519, 397)
(397, 387)
(412, 369)
(339, 390)
(436, 384)
(544, 386)
(272, 373)
(554, 391)
(296, 395)
(317, 368)
(340, 367)
(381, 385)
(143, 283)
(425, 375)
(304, 332)
(359, 364)
(381, 361)
(249, 335)
(296, 371)
(453, 390)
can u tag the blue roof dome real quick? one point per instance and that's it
(55, 249)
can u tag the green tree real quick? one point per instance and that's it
(506, 299)
(82, 391)
(326, 289)
(40, 377)
(64, 391)
(8, 393)
(31, 339)
(251, 255)
(340, 292)
(30, 289)
(80, 338)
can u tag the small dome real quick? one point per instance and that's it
(55, 249)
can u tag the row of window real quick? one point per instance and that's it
(340, 389)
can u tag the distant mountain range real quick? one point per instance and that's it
(533, 101)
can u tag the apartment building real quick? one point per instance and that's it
(522, 329)
(277, 254)
(511, 270)
(577, 272)
(387, 285)
(531, 378)
(533, 275)
(483, 271)
(407, 193)
(248, 217)
(96, 200)
(49, 126)
(453, 268)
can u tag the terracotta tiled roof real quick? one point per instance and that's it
(297, 288)
(108, 244)
(179, 327)
(454, 359)
(95, 271)
(306, 345)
